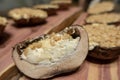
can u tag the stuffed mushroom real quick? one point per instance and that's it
(52, 54)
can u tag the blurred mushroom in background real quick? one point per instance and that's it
(6, 5)
(116, 4)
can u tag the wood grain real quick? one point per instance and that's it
(17, 34)
(88, 70)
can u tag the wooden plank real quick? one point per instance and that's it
(81, 19)
(17, 34)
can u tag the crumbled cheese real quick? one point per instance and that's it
(103, 35)
(104, 18)
(46, 6)
(26, 13)
(101, 7)
(61, 1)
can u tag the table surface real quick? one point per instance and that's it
(87, 71)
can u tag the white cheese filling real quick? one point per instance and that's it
(49, 53)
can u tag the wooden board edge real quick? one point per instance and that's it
(7, 71)
(67, 22)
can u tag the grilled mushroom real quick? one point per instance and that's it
(63, 4)
(51, 9)
(27, 16)
(104, 41)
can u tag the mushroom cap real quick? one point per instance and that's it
(66, 64)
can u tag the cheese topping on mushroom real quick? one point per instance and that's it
(46, 6)
(26, 13)
(103, 35)
(52, 48)
(3, 21)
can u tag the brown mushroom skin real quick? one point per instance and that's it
(43, 71)
(64, 6)
(31, 21)
(104, 53)
(51, 11)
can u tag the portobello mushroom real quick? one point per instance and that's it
(63, 4)
(51, 9)
(27, 16)
(104, 42)
(52, 54)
